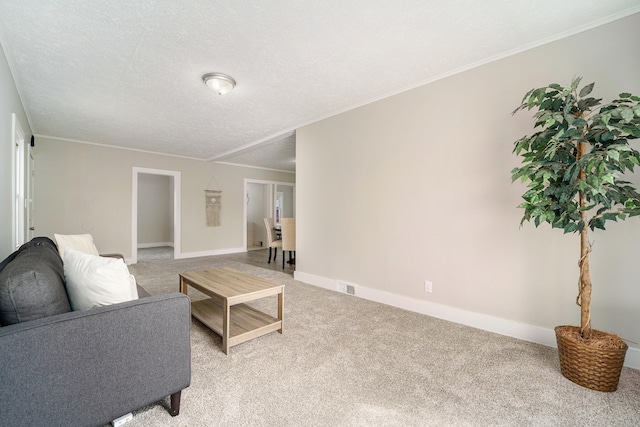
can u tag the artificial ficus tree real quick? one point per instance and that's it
(574, 166)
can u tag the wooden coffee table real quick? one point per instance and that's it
(224, 313)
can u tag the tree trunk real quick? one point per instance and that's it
(584, 296)
(584, 284)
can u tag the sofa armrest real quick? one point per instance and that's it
(90, 367)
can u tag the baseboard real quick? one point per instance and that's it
(485, 322)
(154, 245)
(228, 251)
(312, 279)
(632, 359)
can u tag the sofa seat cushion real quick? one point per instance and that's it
(32, 283)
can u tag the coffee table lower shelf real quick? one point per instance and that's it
(245, 321)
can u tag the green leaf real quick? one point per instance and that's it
(606, 136)
(546, 104)
(587, 103)
(626, 114)
(625, 95)
(633, 131)
(575, 82)
(586, 90)
(597, 223)
(613, 154)
(579, 123)
(570, 118)
(560, 118)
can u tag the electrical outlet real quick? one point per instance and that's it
(428, 286)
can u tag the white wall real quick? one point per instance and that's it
(87, 189)
(9, 103)
(155, 210)
(417, 186)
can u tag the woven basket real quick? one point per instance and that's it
(595, 368)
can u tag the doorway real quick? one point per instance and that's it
(257, 208)
(265, 199)
(19, 197)
(155, 210)
(31, 185)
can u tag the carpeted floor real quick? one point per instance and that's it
(345, 361)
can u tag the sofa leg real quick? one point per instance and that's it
(175, 404)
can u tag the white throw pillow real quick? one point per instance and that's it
(96, 281)
(79, 242)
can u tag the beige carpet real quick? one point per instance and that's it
(345, 361)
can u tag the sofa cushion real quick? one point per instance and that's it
(79, 242)
(32, 283)
(94, 281)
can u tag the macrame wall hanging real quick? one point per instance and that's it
(213, 204)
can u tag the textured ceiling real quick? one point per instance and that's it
(128, 73)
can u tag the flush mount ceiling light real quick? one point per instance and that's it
(219, 83)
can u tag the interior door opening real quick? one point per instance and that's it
(31, 161)
(155, 210)
(19, 201)
(258, 208)
(265, 199)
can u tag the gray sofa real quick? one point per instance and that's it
(84, 368)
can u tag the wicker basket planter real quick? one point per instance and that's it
(592, 367)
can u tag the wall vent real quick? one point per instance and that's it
(346, 287)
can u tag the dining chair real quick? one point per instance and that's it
(272, 242)
(288, 226)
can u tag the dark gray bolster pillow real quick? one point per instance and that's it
(32, 283)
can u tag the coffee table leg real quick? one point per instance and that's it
(281, 310)
(183, 286)
(226, 314)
